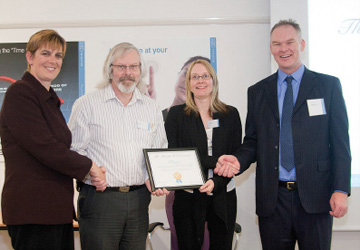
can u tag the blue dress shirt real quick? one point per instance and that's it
(284, 175)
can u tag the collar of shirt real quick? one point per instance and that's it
(109, 94)
(282, 85)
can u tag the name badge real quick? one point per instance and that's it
(213, 123)
(143, 125)
(316, 107)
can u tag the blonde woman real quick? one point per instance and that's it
(215, 129)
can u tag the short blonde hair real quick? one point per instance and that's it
(45, 37)
(215, 104)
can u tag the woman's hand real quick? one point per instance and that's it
(227, 166)
(158, 192)
(208, 187)
(98, 178)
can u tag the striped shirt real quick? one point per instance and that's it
(114, 135)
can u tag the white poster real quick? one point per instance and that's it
(334, 48)
(167, 58)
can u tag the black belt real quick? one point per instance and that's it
(291, 185)
(125, 189)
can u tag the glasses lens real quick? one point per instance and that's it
(133, 68)
(195, 77)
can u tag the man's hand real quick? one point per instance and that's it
(208, 187)
(98, 178)
(338, 204)
(227, 166)
(158, 192)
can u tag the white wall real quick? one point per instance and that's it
(347, 227)
(242, 31)
(21, 13)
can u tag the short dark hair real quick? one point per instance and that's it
(290, 22)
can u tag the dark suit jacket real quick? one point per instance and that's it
(39, 165)
(321, 143)
(188, 131)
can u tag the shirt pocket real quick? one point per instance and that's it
(146, 137)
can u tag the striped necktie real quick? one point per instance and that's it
(286, 139)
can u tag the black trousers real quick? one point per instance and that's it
(112, 220)
(191, 210)
(42, 237)
(291, 223)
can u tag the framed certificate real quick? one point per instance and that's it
(177, 168)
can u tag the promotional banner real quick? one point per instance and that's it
(165, 61)
(334, 48)
(70, 83)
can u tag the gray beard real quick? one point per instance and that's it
(126, 89)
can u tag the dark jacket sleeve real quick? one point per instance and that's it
(246, 154)
(23, 115)
(339, 140)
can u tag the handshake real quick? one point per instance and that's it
(97, 175)
(227, 166)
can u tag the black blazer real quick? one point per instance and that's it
(39, 165)
(188, 131)
(321, 143)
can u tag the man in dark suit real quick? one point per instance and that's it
(301, 149)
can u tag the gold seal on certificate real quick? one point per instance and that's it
(177, 168)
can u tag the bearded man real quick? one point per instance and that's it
(111, 126)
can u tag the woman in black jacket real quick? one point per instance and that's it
(215, 129)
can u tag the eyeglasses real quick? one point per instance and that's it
(197, 77)
(122, 68)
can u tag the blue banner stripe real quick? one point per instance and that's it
(213, 58)
(81, 68)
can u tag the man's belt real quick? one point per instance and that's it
(290, 185)
(125, 189)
